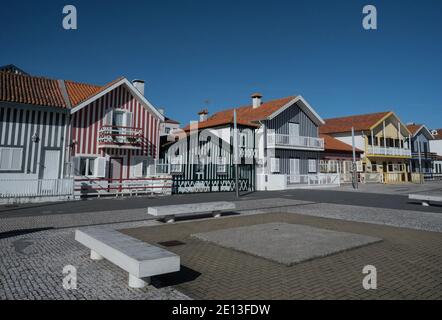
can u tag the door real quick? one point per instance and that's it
(294, 171)
(49, 176)
(51, 164)
(293, 133)
(115, 174)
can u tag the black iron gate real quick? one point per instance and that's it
(220, 183)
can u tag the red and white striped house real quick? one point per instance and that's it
(115, 136)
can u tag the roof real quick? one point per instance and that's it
(438, 135)
(25, 89)
(169, 120)
(246, 115)
(332, 144)
(12, 69)
(39, 91)
(359, 122)
(416, 128)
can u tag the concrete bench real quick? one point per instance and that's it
(425, 198)
(169, 212)
(139, 259)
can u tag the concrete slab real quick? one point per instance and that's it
(286, 243)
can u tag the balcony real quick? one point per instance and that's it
(424, 155)
(294, 142)
(120, 137)
(388, 151)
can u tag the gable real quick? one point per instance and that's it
(112, 86)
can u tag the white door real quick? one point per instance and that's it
(294, 133)
(294, 171)
(51, 164)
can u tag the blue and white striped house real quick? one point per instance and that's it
(34, 124)
(279, 139)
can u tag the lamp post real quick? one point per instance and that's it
(235, 152)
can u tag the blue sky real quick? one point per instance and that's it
(222, 51)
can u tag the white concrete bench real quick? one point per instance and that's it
(425, 198)
(139, 259)
(169, 212)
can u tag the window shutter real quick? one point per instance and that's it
(138, 168)
(128, 119)
(76, 166)
(274, 164)
(100, 167)
(108, 117)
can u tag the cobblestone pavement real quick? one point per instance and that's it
(428, 221)
(27, 223)
(31, 268)
(398, 189)
(408, 262)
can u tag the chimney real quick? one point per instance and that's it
(411, 123)
(161, 110)
(203, 115)
(256, 99)
(139, 84)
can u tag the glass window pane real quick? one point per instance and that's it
(5, 158)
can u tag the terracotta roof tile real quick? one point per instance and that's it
(359, 122)
(41, 91)
(246, 115)
(332, 144)
(25, 89)
(438, 135)
(413, 128)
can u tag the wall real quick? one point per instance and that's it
(294, 114)
(18, 123)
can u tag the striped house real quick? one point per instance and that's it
(279, 139)
(51, 131)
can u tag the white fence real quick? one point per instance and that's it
(295, 141)
(136, 186)
(33, 188)
(322, 179)
(372, 177)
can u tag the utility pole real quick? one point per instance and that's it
(235, 152)
(420, 161)
(355, 177)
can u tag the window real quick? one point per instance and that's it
(243, 140)
(87, 167)
(11, 158)
(221, 167)
(312, 165)
(167, 130)
(274, 165)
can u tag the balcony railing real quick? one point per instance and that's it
(388, 151)
(424, 155)
(119, 135)
(285, 140)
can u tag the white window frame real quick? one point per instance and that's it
(11, 163)
(312, 166)
(87, 166)
(275, 165)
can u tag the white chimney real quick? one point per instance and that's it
(161, 110)
(203, 115)
(139, 84)
(256, 100)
